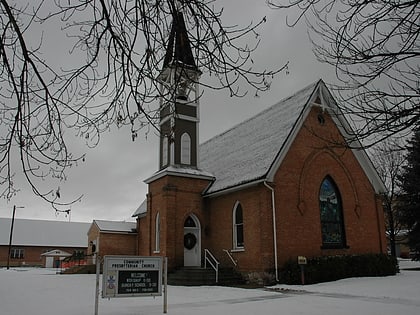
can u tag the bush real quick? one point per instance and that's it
(330, 268)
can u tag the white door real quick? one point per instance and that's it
(49, 262)
(192, 242)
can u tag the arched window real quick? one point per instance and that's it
(157, 233)
(185, 149)
(238, 227)
(165, 151)
(332, 223)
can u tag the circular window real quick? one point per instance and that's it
(321, 119)
(189, 241)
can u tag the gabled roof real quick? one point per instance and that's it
(44, 233)
(116, 226)
(141, 210)
(56, 253)
(252, 151)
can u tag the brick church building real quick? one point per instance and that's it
(280, 185)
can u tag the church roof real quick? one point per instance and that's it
(252, 150)
(141, 210)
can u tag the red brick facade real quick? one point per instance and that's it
(313, 155)
(111, 243)
(32, 255)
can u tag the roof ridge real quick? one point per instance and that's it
(315, 84)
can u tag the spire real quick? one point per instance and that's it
(179, 47)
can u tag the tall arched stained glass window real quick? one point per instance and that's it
(157, 233)
(238, 227)
(332, 224)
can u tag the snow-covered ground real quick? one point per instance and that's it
(42, 291)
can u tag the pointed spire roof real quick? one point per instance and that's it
(179, 47)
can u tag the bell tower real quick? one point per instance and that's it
(179, 105)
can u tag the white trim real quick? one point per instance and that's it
(181, 172)
(273, 206)
(196, 229)
(229, 190)
(343, 126)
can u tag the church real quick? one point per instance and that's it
(282, 184)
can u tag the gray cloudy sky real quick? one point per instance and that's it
(111, 179)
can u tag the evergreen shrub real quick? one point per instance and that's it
(330, 268)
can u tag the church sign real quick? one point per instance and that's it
(127, 276)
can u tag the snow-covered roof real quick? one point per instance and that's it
(116, 226)
(141, 210)
(245, 152)
(28, 232)
(56, 253)
(252, 150)
(180, 171)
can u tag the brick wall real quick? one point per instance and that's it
(112, 243)
(174, 198)
(314, 154)
(32, 254)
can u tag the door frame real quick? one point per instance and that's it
(197, 232)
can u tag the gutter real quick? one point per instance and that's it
(273, 206)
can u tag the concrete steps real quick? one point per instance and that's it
(195, 276)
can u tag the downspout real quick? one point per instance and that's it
(273, 206)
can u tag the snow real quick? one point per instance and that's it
(42, 291)
(116, 226)
(245, 152)
(44, 233)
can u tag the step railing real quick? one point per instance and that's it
(234, 261)
(209, 258)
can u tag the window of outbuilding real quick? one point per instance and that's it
(17, 253)
(331, 211)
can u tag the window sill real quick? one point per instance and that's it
(237, 250)
(332, 246)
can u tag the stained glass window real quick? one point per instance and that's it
(189, 222)
(332, 225)
(238, 227)
(157, 233)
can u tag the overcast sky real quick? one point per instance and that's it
(111, 179)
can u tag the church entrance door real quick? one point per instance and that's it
(192, 242)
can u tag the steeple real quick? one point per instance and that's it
(179, 106)
(179, 50)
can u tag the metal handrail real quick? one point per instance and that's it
(235, 262)
(209, 257)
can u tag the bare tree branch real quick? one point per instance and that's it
(110, 79)
(375, 48)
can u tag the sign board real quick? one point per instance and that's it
(302, 260)
(127, 276)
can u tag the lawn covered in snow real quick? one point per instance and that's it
(42, 291)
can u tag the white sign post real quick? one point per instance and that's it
(128, 276)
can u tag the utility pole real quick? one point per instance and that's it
(11, 235)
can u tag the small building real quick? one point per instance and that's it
(54, 258)
(112, 238)
(33, 238)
